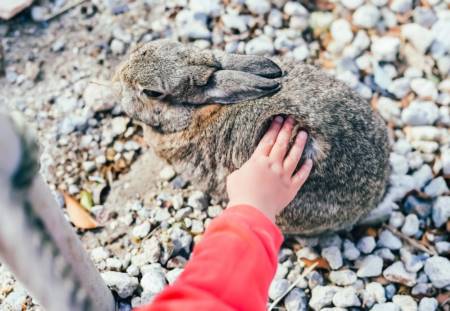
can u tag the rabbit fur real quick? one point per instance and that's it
(205, 112)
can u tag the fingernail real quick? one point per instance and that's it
(309, 162)
(279, 119)
(301, 136)
(290, 119)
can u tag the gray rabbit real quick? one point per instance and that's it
(205, 111)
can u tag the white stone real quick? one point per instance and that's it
(293, 8)
(428, 304)
(424, 88)
(296, 300)
(333, 256)
(366, 16)
(277, 288)
(343, 277)
(420, 37)
(341, 31)
(366, 244)
(173, 274)
(322, 296)
(352, 4)
(389, 240)
(411, 225)
(374, 292)
(437, 269)
(258, 7)
(346, 297)
(406, 303)
(385, 48)
(350, 250)
(420, 113)
(436, 187)
(388, 306)
(440, 30)
(398, 274)
(167, 173)
(441, 210)
(153, 281)
(401, 6)
(370, 266)
(261, 45)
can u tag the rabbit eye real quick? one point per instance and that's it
(151, 93)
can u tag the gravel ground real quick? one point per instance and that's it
(395, 53)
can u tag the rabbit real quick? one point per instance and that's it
(205, 111)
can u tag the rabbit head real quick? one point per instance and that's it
(163, 82)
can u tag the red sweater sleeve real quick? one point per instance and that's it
(231, 267)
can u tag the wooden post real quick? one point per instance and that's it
(36, 241)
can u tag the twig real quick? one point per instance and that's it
(64, 10)
(301, 277)
(411, 241)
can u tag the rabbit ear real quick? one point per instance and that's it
(229, 86)
(257, 65)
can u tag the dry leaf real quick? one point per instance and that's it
(321, 263)
(78, 215)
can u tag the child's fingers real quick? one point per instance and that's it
(291, 161)
(300, 177)
(279, 149)
(265, 145)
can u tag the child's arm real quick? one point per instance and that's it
(232, 266)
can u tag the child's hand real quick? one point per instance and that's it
(265, 181)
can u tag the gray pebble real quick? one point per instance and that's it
(296, 300)
(350, 250)
(198, 200)
(389, 240)
(366, 244)
(123, 284)
(277, 288)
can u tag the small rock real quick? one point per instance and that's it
(401, 6)
(346, 297)
(366, 244)
(412, 262)
(133, 270)
(277, 288)
(422, 176)
(198, 200)
(420, 37)
(153, 281)
(366, 16)
(343, 277)
(397, 219)
(441, 210)
(123, 284)
(428, 304)
(214, 210)
(119, 125)
(322, 296)
(388, 306)
(397, 273)
(385, 48)
(261, 45)
(424, 88)
(341, 31)
(118, 47)
(293, 8)
(390, 291)
(98, 254)
(307, 253)
(234, 22)
(436, 187)
(374, 292)
(442, 247)
(296, 300)
(113, 264)
(350, 250)
(389, 240)
(406, 303)
(141, 231)
(420, 113)
(197, 226)
(411, 225)
(167, 173)
(370, 266)
(258, 7)
(437, 269)
(173, 274)
(333, 256)
(352, 4)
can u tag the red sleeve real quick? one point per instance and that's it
(231, 267)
